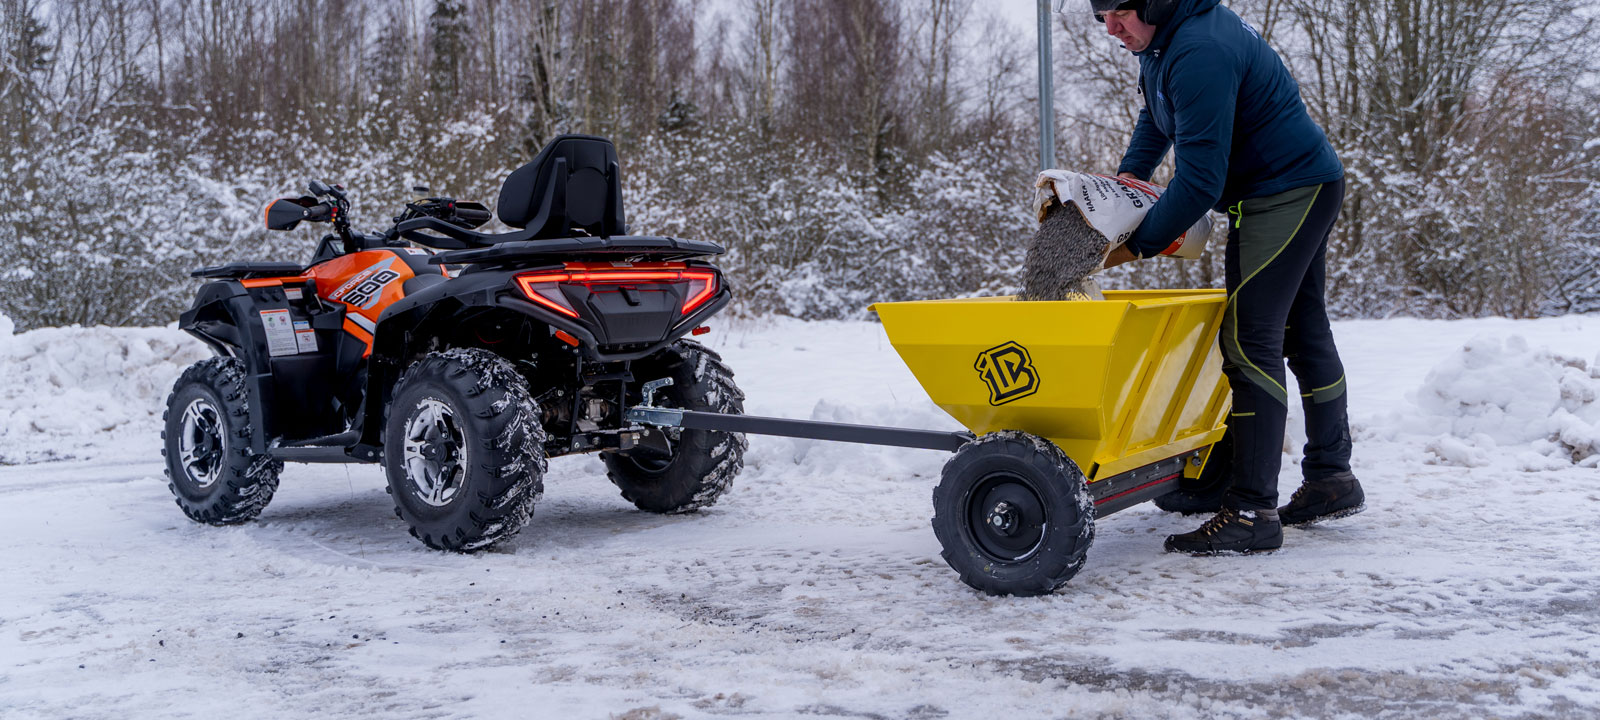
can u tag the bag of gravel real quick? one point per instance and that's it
(1114, 206)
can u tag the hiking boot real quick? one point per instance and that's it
(1329, 498)
(1193, 502)
(1232, 532)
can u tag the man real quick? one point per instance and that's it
(1223, 99)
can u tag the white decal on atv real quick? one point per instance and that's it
(367, 293)
(280, 332)
(366, 287)
(305, 338)
(339, 293)
(362, 322)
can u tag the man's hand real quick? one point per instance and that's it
(1119, 256)
(1128, 175)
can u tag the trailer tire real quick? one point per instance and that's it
(206, 436)
(703, 463)
(1013, 514)
(463, 450)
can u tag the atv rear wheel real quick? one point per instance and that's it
(1014, 514)
(211, 471)
(683, 470)
(463, 450)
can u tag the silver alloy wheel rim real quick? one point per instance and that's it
(434, 453)
(201, 443)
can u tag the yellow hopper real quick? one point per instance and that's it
(1117, 384)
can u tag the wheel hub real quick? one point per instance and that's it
(1007, 517)
(434, 452)
(201, 446)
(1003, 517)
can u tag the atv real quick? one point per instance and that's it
(457, 359)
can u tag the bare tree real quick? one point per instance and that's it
(858, 42)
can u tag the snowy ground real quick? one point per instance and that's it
(815, 588)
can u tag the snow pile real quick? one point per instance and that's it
(67, 389)
(1492, 394)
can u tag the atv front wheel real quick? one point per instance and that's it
(211, 471)
(681, 471)
(1014, 514)
(464, 450)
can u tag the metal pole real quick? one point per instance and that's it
(1047, 97)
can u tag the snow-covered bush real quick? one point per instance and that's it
(807, 238)
(1503, 397)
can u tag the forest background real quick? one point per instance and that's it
(843, 151)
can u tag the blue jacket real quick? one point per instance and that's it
(1217, 91)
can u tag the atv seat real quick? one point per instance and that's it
(241, 270)
(573, 188)
(418, 283)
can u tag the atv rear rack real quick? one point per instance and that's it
(621, 246)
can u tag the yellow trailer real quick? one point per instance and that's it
(1076, 409)
(1079, 408)
(1116, 384)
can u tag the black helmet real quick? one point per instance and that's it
(1104, 6)
(1153, 12)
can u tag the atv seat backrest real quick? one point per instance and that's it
(573, 187)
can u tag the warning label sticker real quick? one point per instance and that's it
(280, 332)
(305, 338)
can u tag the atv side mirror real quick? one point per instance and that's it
(285, 213)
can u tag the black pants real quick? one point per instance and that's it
(1276, 253)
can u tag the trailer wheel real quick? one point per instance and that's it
(213, 474)
(1014, 514)
(683, 470)
(463, 450)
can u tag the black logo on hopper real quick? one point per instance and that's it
(1008, 371)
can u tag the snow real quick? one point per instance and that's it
(1493, 393)
(815, 587)
(69, 389)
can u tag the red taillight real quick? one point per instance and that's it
(702, 287)
(543, 288)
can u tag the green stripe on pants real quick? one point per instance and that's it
(1274, 223)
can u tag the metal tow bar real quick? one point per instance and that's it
(648, 414)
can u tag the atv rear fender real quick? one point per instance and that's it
(292, 395)
(409, 327)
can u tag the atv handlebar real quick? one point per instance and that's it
(474, 216)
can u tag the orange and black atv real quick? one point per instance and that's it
(458, 359)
